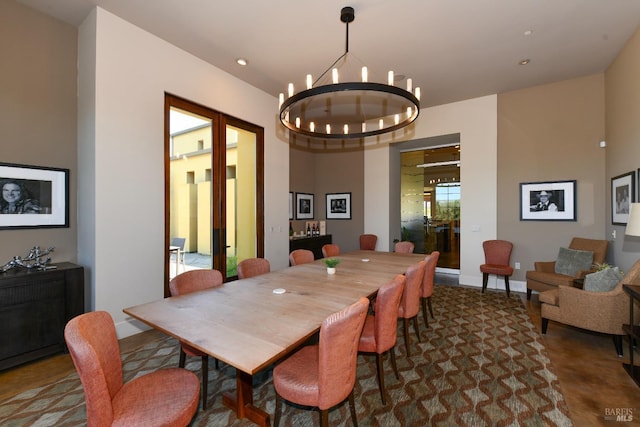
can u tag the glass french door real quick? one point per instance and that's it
(213, 189)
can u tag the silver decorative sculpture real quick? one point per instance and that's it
(33, 261)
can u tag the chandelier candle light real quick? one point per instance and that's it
(351, 109)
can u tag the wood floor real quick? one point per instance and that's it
(591, 376)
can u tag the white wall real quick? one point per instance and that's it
(476, 121)
(124, 74)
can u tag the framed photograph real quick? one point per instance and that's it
(548, 201)
(304, 206)
(623, 193)
(338, 205)
(33, 197)
(290, 205)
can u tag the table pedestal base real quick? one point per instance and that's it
(242, 402)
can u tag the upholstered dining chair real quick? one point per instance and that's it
(330, 250)
(253, 267)
(497, 254)
(410, 303)
(187, 282)
(368, 242)
(323, 375)
(427, 284)
(167, 397)
(404, 247)
(380, 330)
(300, 256)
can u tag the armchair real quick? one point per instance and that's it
(545, 278)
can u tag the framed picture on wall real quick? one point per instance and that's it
(338, 205)
(623, 193)
(290, 205)
(33, 197)
(304, 206)
(548, 201)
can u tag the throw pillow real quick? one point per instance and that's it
(603, 280)
(571, 261)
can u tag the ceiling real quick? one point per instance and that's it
(452, 49)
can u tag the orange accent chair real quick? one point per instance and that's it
(427, 284)
(330, 250)
(301, 256)
(368, 242)
(410, 303)
(380, 330)
(184, 283)
(497, 254)
(323, 375)
(404, 247)
(251, 267)
(166, 397)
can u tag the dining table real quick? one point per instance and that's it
(252, 323)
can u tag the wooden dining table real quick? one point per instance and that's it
(247, 325)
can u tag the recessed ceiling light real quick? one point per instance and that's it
(524, 61)
(241, 61)
(528, 32)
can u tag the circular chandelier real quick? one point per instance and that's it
(351, 109)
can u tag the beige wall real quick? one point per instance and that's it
(551, 133)
(622, 106)
(38, 114)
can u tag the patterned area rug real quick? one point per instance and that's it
(481, 362)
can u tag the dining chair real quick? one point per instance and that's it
(301, 256)
(410, 303)
(323, 375)
(167, 397)
(380, 331)
(497, 254)
(404, 247)
(253, 267)
(368, 242)
(329, 250)
(427, 284)
(184, 283)
(178, 243)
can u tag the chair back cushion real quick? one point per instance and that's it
(301, 256)
(410, 303)
(251, 267)
(598, 247)
(368, 242)
(330, 250)
(572, 261)
(195, 280)
(93, 345)
(429, 273)
(386, 313)
(404, 247)
(497, 252)
(338, 351)
(179, 242)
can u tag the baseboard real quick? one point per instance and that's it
(494, 283)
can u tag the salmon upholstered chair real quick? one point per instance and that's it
(323, 375)
(404, 247)
(301, 256)
(410, 303)
(166, 397)
(253, 267)
(330, 250)
(381, 329)
(497, 254)
(187, 282)
(427, 284)
(368, 242)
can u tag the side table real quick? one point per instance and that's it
(633, 331)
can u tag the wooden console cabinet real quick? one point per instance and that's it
(314, 244)
(35, 306)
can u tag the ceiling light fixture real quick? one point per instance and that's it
(524, 61)
(241, 61)
(354, 109)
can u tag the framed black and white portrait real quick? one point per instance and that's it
(338, 205)
(548, 201)
(304, 206)
(622, 195)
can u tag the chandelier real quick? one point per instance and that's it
(355, 109)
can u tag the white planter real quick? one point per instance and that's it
(331, 270)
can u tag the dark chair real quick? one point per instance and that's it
(253, 267)
(368, 242)
(323, 375)
(166, 397)
(301, 256)
(497, 254)
(427, 284)
(410, 303)
(330, 250)
(187, 282)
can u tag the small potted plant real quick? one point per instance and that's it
(331, 264)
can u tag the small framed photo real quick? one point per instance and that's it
(338, 205)
(548, 201)
(304, 206)
(33, 197)
(290, 205)
(623, 192)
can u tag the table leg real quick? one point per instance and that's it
(242, 402)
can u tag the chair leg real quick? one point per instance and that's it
(352, 409)
(415, 327)
(617, 341)
(380, 377)
(217, 365)
(277, 411)
(529, 293)
(424, 312)
(205, 380)
(183, 357)
(324, 418)
(406, 336)
(485, 279)
(545, 323)
(392, 352)
(506, 284)
(430, 307)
